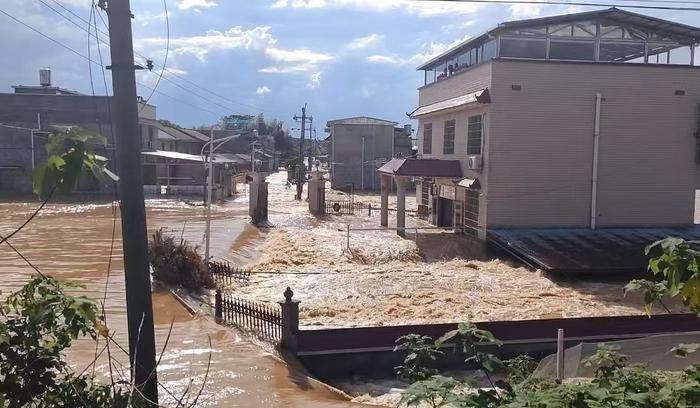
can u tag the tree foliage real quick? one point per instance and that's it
(70, 156)
(39, 323)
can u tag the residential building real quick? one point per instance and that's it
(28, 114)
(579, 121)
(360, 145)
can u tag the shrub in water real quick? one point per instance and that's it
(178, 264)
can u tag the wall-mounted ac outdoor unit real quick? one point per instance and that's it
(474, 162)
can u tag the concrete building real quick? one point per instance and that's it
(360, 145)
(580, 121)
(31, 111)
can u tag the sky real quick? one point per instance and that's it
(342, 58)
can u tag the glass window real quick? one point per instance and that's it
(611, 30)
(448, 145)
(523, 48)
(428, 138)
(572, 50)
(585, 29)
(561, 30)
(489, 50)
(474, 134)
(621, 51)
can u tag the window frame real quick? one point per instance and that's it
(445, 145)
(428, 138)
(470, 150)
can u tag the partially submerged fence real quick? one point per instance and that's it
(344, 207)
(225, 274)
(263, 320)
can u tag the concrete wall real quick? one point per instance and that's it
(541, 144)
(347, 153)
(473, 79)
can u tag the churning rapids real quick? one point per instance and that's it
(382, 279)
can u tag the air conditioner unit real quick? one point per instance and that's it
(474, 162)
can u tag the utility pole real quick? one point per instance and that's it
(139, 305)
(300, 167)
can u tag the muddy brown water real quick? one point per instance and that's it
(72, 243)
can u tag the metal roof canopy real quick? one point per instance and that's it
(361, 120)
(422, 168)
(580, 250)
(482, 96)
(692, 34)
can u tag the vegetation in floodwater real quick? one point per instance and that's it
(615, 383)
(39, 322)
(178, 263)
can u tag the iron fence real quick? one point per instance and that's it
(352, 208)
(262, 320)
(225, 274)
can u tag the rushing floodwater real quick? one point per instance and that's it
(72, 243)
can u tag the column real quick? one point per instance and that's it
(317, 193)
(257, 207)
(401, 184)
(384, 219)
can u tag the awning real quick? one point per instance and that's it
(422, 168)
(472, 98)
(469, 183)
(173, 155)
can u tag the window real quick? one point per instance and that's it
(448, 146)
(621, 51)
(428, 138)
(471, 211)
(474, 134)
(572, 50)
(489, 51)
(523, 48)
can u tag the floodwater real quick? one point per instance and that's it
(72, 243)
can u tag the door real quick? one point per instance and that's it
(446, 213)
(471, 212)
(458, 217)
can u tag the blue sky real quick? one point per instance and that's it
(342, 57)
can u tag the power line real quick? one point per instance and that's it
(59, 43)
(167, 51)
(586, 4)
(163, 67)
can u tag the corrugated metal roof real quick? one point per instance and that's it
(474, 97)
(586, 250)
(422, 168)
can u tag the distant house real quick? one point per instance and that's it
(31, 111)
(360, 145)
(587, 120)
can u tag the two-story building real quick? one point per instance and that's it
(579, 121)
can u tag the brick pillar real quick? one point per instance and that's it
(401, 185)
(290, 321)
(317, 193)
(257, 206)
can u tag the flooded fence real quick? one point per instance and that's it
(344, 207)
(225, 274)
(261, 319)
(342, 352)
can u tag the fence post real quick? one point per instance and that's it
(218, 306)
(560, 354)
(369, 210)
(348, 239)
(290, 321)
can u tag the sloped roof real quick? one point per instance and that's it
(422, 168)
(471, 98)
(361, 120)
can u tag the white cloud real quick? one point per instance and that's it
(263, 90)
(430, 51)
(195, 4)
(419, 8)
(315, 81)
(365, 42)
(521, 11)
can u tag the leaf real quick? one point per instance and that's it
(690, 292)
(446, 337)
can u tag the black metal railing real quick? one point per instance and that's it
(225, 274)
(353, 208)
(260, 319)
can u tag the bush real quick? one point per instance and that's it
(178, 264)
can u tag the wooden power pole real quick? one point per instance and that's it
(139, 306)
